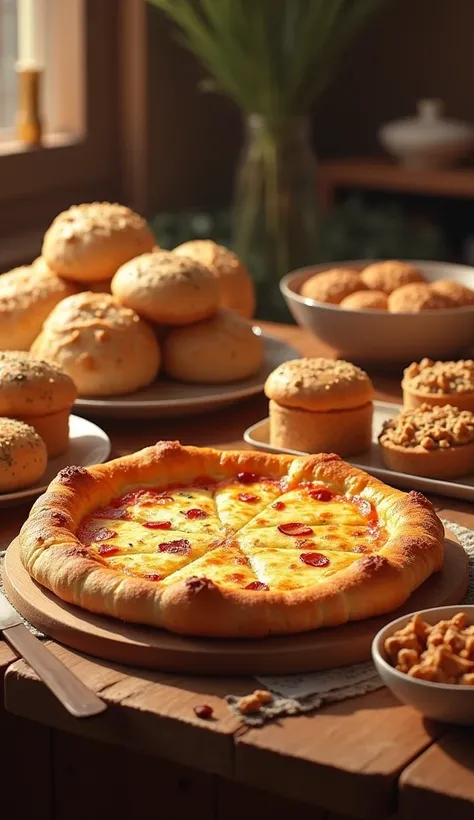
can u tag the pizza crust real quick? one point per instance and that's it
(370, 585)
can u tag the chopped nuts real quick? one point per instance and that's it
(440, 653)
(440, 377)
(429, 428)
(252, 703)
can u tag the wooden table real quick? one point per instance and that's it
(149, 756)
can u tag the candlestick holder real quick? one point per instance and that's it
(28, 118)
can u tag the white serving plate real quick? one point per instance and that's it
(172, 398)
(88, 445)
(258, 436)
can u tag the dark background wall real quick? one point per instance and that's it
(412, 49)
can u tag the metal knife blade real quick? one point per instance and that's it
(8, 616)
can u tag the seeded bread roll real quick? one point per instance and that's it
(459, 295)
(89, 242)
(365, 300)
(27, 297)
(96, 287)
(435, 442)
(320, 405)
(23, 455)
(104, 347)
(220, 350)
(39, 394)
(332, 286)
(416, 297)
(167, 288)
(236, 289)
(389, 275)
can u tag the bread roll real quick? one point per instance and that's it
(23, 455)
(390, 274)
(332, 286)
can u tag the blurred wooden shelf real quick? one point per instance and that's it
(379, 174)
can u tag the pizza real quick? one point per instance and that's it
(203, 542)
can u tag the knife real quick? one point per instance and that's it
(70, 691)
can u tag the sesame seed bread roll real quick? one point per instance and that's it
(23, 455)
(104, 347)
(89, 242)
(167, 288)
(39, 394)
(320, 405)
(236, 288)
(27, 296)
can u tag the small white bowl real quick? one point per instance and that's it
(376, 336)
(449, 703)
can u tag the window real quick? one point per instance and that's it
(78, 160)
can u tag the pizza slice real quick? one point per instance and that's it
(335, 537)
(238, 502)
(191, 509)
(313, 505)
(225, 565)
(151, 566)
(287, 569)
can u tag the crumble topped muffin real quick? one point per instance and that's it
(436, 442)
(438, 383)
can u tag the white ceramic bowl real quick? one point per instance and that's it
(449, 703)
(374, 336)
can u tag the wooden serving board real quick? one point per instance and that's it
(125, 643)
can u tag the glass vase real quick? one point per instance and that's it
(275, 209)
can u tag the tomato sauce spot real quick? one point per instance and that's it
(179, 547)
(248, 497)
(107, 550)
(294, 529)
(194, 513)
(279, 505)
(157, 525)
(257, 585)
(247, 478)
(314, 559)
(321, 494)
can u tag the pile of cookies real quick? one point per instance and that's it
(35, 404)
(390, 285)
(114, 311)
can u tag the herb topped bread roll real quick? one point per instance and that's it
(390, 275)
(236, 289)
(166, 288)
(439, 383)
(104, 347)
(332, 286)
(27, 296)
(23, 455)
(435, 442)
(39, 394)
(89, 242)
(218, 351)
(320, 406)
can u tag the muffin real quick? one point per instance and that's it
(416, 297)
(167, 288)
(332, 286)
(104, 347)
(389, 275)
(365, 300)
(27, 296)
(89, 242)
(218, 351)
(439, 383)
(39, 394)
(459, 295)
(434, 442)
(236, 288)
(320, 406)
(23, 455)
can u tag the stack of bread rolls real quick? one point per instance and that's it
(114, 311)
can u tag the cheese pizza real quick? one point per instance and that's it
(230, 544)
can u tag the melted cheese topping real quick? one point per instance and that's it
(248, 534)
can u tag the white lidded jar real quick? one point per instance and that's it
(428, 140)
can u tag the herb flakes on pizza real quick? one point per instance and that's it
(230, 544)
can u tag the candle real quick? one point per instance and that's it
(30, 15)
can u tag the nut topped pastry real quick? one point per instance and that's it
(436, 442)
(236, 288)
(459, 295)
(320, 405)
(389, 275)
(415, 297)
(333, 285)
(89, 242)
(104, 347)
(438, 383)
(39, 394)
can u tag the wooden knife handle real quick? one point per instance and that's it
(70, 691)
